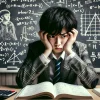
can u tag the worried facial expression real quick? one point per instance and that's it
(58, 41)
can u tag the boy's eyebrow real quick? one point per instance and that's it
(63, 33)
(59, 34)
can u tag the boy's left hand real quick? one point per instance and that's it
(72, 38)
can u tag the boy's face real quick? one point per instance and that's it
(58, 41)
(6, 17)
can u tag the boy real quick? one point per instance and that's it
(58, 33)
(7, 28)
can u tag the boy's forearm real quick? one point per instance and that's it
(29, 72)
(47, 52)
(84, 71)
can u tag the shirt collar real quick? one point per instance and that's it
(61, 56)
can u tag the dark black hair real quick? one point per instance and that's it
(56, 18)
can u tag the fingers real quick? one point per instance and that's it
(70, 34)
(75, 32)
(45, 41)
(43, 35)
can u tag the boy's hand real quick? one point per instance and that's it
(44, 39)
(72, 38)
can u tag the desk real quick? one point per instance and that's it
(95, 97)
(10, 88)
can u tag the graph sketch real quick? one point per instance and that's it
(90, 24)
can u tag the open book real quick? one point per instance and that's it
(59, 90)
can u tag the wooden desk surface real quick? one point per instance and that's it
(95, 97)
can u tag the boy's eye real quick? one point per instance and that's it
(65, 35)
(62, 36)
(51, 36)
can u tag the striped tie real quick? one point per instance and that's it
(57, 71)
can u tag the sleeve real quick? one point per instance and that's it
(31, 68)
(70, 56)
(44, 60)
(13, 33)
(83, 67)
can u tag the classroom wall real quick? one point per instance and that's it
(7, 78)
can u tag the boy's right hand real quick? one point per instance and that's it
(44, 39)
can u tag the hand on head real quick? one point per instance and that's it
(67, 46)
(44, 39)
(72, 38)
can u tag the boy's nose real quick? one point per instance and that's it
(58, 41)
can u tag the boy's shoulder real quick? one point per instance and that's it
(79, 47)
(80, 44)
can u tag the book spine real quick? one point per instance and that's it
(18, 94)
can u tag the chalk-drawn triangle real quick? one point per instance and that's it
(14, 58)
(95, 19)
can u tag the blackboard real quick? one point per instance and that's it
(25, 15)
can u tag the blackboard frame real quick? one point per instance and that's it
(4, 70)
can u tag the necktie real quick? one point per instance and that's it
(57, 71)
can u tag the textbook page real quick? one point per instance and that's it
(30, 90)
(76, 90)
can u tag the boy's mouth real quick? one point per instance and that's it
(58, 48)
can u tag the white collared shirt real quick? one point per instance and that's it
(61, 56)
(46, 60)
